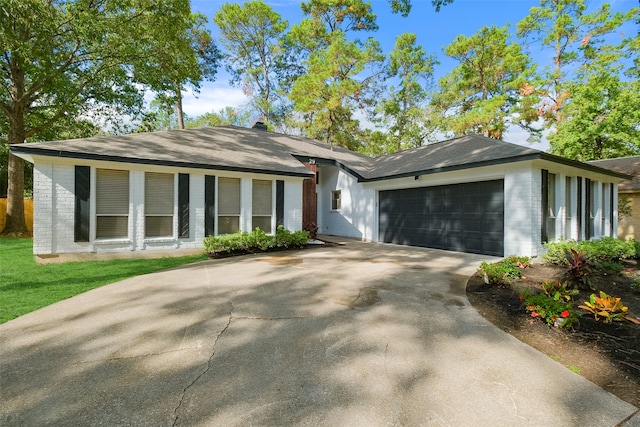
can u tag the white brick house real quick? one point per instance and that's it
(168, 190)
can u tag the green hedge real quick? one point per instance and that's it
(255, 241)
(607, 249)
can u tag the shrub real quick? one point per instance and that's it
(553, 305)
(257, 240)
(606, 249)
(519, 261)
(286, 239)
(503, 272)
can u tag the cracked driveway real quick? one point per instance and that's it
(361, 334)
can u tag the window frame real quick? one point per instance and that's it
(158, 203)
(221, 213)
(336, 202)
(100, 206)
(263, 214)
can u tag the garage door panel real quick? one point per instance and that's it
(436, 224)
(462, 217)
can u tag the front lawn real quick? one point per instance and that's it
(26, 286)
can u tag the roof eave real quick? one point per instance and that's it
(519, 158)
(28, 152)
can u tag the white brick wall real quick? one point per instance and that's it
(43, 209)
(54, 205)
(54, 209)
(522, 212)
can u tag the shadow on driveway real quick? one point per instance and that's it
(361, 334)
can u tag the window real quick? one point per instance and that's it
(262, 205)
(158, 204)
(112, 203)
(228, 205)
(336, 200)
(603, 209)
(593, 209)
(551, 225)
(568, 208)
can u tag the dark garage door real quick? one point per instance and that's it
(460, 217)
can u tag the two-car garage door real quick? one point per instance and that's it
(465, 217)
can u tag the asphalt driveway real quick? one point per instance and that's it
(362, 334)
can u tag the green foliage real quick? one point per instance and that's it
(624, 206)
(487, 88)
(601, 116)
(519, 261)
(607, 249)
(553, 305)
(636, 285)
(607, 307)
(609, 267)
(257, 240)
(572, 37)
(69, 59)
(402, 111)
(27, 286)
(503, 272)
(225, 116)
(332, 85)
(251, 34)
(558, 290)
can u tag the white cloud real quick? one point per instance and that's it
(214, 97)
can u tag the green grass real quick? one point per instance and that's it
(26, 286)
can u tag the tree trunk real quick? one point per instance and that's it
(15, 225)
(179, 108)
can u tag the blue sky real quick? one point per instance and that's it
(434, 31)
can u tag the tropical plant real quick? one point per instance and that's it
(608, 308)
(579, 270)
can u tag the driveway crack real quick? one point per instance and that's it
(205, 370)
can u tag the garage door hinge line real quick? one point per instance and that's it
(207, 367)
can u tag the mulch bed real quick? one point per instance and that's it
(606, 354)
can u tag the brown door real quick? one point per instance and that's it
(309, 200)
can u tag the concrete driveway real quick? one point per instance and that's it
(362, 334)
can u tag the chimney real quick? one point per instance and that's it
(260, 126)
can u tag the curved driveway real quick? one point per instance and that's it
(361, 334)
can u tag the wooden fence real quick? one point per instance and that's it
(28, 213)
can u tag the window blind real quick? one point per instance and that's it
(158, 193)
(262, 200)
(112, 192)
(228, 196)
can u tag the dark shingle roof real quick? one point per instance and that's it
(221, 147)
(252, 150)
(626, 165)
(458, 153)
